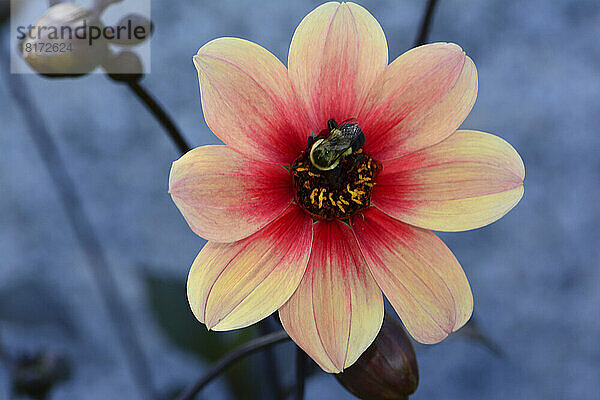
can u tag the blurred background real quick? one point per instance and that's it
(535, 273)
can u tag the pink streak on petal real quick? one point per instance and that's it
(225, 196)
(337, 310)
(467, 181)
(248, 101)
(421, 99)
(233, 285)
(336, 54)
(418, 274)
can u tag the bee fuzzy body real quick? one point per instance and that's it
(328, 148)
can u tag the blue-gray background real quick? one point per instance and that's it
(535, 273)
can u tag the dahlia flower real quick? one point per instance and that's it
(333, 174)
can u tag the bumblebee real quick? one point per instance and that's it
(343, 140)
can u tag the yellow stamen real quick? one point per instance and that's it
(313, 194)
(355, 194)
(331, 199)
(321, 197)
(362, 179)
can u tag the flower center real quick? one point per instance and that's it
(334, 177)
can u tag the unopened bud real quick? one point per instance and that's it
(35, 375)
(132, 29)
(67, 40)
(124, 67)
(387, 370)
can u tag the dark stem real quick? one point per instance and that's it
(272, 376)
(426, 23)
(165, 120)
(82, 227)
(300, 372)
(231, 358)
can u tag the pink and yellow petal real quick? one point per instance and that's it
(225, 196)
(248, 102)
(337, 310)
(421, 99)
(469, 180)
(233, 285)
(336, 54)
(418, 274)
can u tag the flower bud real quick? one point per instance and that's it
(124, 67)
(137, 29)
(35, 375)
(66, 41)
(387, 370)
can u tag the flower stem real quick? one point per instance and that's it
(231, 358)
(161, 115)
(82, 228)
(272, 376)
(300, 373)
(426, 23)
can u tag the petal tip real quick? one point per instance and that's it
(460, 323)
(216, 322)
(453, 53)
(196, 61)
(446, 46)
(209, 324)
(432, 340)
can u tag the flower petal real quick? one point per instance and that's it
(418, 274)
(225, 196)
(247, 100)
(337, 310)
(421, 99)
(465, 182)
(233, 285)
(336, 54)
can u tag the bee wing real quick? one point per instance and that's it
(355, 135)
(340, 143)
(350, 121)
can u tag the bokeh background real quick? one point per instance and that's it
(535, 273)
